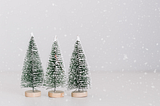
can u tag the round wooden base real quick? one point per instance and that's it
(30, 93)
(79, 94)
(57, 94)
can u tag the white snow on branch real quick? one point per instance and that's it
(34, 50)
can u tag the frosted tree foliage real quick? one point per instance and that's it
(78, 71)
(32, 75)
(55, 75)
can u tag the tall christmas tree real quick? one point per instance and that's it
(78, 71)
(32, 75)
(55, 75)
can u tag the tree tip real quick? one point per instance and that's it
(78, 39)
(55, 39)
(32, 35)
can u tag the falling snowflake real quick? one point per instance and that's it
(125, 57)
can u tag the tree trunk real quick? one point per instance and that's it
(33, 89)
(54, 89)
(78, 90)
(78, 71)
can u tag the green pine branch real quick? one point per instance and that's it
(32, 75)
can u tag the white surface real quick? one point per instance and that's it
(108, 89)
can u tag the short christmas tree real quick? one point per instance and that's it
(32, 75)
(78, 77)
(55, 75)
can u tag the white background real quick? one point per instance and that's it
(115, 34)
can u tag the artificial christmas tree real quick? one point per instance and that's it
(78, 72)
(55, 75)
(32, 75)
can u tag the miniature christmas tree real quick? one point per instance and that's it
(78, 72)
(55, 75)
(32, 75)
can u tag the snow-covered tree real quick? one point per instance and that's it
(78, 71)
(32, 75)
(55, 75)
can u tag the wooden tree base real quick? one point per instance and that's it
(57, 94)
(79, 94)
(30, 93)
